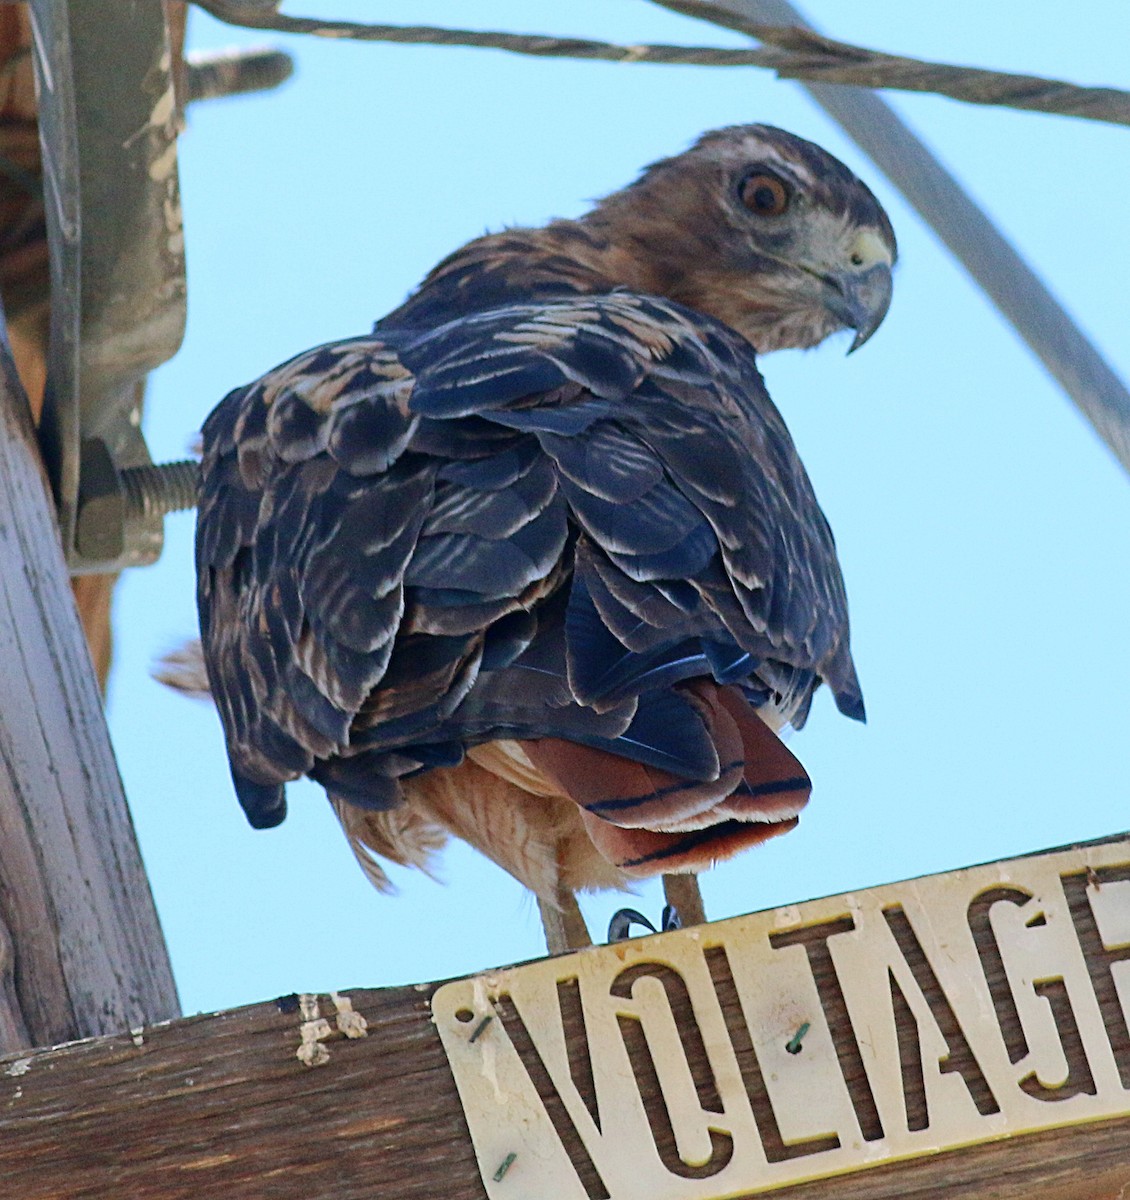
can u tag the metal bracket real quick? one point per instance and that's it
(108, 121)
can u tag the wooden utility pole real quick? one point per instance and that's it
(957, 1036)
(92, 278)
(75, 904)
(81, 950)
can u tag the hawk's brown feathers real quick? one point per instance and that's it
(525, 563)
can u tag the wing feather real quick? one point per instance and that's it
(530, 522)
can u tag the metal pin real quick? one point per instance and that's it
(504, 1166)
(480, 1027)
(160, 488)
(793, 1046)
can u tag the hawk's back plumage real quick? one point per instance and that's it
(554, 538)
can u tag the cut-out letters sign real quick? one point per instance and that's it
(806, 1041)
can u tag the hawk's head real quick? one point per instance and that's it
(761, 229)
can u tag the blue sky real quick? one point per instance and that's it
(982, 526)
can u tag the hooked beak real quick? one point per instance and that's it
(860, 299)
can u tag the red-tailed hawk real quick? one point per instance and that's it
(536, 563)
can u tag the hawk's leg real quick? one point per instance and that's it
(682, 893)
(564, 926)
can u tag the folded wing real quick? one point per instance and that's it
(579, 527)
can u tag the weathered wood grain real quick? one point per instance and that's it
(220, 1105)
(88, 952)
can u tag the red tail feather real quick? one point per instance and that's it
(647, 821)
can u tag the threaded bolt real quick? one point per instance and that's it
(160, 488)
(234, 72)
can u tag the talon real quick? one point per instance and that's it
(670, 919)
(619, 928)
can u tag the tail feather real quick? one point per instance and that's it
(646, 821)
(774, 787)
(183, 670)
(634, 795)
(556, 813)
(641, 853)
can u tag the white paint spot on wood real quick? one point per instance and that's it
(164, 108)
(314, 1028)
(351, 1023)
(164, 164)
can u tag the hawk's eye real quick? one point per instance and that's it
(765, 194)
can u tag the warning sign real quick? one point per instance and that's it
(806, 1041)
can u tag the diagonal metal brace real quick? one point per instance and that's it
(108, 125)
